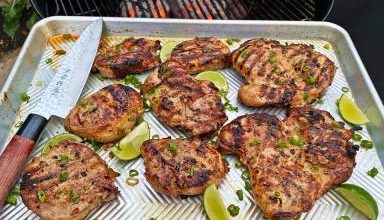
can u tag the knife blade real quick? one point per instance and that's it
(57, 99)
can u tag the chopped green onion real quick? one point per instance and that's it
(60, 52)
(282, 144)
(63, 176)
(311, 80)
(245, 175)
(48, 60)
(244, 53)
(240, 195)
(11, 200)
(95, 146)
(101, 78)
(132, 80)
(233, 210)
(133, 173)
(305, 95)
(41, 195)
(326, 46)
(306, 68)
(63, 160)
(155, 136)
(343, 217)
(357, 137)
(74, 197)
(273, 59)
(18, 124)
(277, 194)
(366, 144)
(192, 170)
(39, 83)
(373, 172)
(247, 185)
(173, 148)
(296, 141)
(254, 143)
(132, 181)
(230, 40)
(25, 97)
(238, 164)
(345, 89)
(277, 69)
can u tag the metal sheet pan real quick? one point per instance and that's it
(140, 201)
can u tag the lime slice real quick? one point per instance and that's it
(166, 50)
(360, 199)
(128, 148)
(214, 206)
(351, 112)
(217, 78)
(55, 140)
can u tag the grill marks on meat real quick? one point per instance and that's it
(106, 115)
(201, 54)
(287, 180)
(281, 75)
(189, 171)
(132, 56)
(183, 102)
(88, 185)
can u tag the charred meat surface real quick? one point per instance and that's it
(182, 166)
(107, 115)
(132, 56)
(67, 182)
(291, 162)
(281, 75)
(201, 54)
(183, 102)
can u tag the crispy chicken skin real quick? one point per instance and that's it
(183, 102)
(107, 115)
(74, 180)
(129, 57)
(291, 162)
(201, 54)
(188, 171)
(281, 75)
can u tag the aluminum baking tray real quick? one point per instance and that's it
(140, 201)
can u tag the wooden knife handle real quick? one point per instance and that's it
(13, 158)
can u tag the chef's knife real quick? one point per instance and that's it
(57, 99)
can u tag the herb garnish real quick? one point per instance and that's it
(41, 195)
(63, 176)
(373, 172)
(254, 143)
(74, 197)
(12, 197)
(132, 80)
(227, 104)
(233, 210)
(230, 40)
(366, 144)
(25, 97)
(173, 148)
(239, 194)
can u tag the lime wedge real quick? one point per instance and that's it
(216, 78)
(166, 50)
(214, 206)
(128, 148)
(55, 140)
(351, 112)
(360, 199)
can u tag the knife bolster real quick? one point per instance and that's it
(32, 127)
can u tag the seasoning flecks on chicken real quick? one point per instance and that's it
(67, 182)
(201, 54)
(281, 75)
(182, 166)
(183, 102)
(107, 115)
(132, 56)
(291, 162)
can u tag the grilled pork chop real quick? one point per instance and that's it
(291, 162)
(281, 75)
(183, 102)
(106, 115)
(201, 54)
(182, 167)
(71, 180)
(129, 57)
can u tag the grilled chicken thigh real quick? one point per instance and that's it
(107, 115)
(67, 182)
(291, 162)
(183, 102)
(182, 167)
(129, 57)
(281, 75)
(201, 54)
